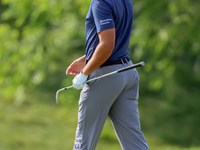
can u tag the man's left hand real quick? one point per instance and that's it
(79, 81)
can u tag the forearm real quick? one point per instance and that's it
(100, 55)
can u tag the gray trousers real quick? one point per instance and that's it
(115, 96)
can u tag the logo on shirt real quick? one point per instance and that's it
(106, 21)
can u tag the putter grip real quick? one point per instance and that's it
(131, 67)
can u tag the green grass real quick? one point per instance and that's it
(40, 124)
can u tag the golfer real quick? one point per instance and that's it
(108, 28)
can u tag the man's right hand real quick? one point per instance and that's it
(76, 66)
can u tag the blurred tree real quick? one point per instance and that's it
(41, 34)
(166, 36)
(37, 38)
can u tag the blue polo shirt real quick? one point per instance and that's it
(107, 14)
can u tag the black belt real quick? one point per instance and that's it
(121, 61)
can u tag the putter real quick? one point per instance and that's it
(105, 75)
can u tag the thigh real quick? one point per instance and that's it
(125, 108)
(124, 115)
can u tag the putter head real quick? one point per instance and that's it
(62, 90)
(58, 93)
(57, 96)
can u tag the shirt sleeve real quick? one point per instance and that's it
(102, 15)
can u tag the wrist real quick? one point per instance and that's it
(84, 72)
